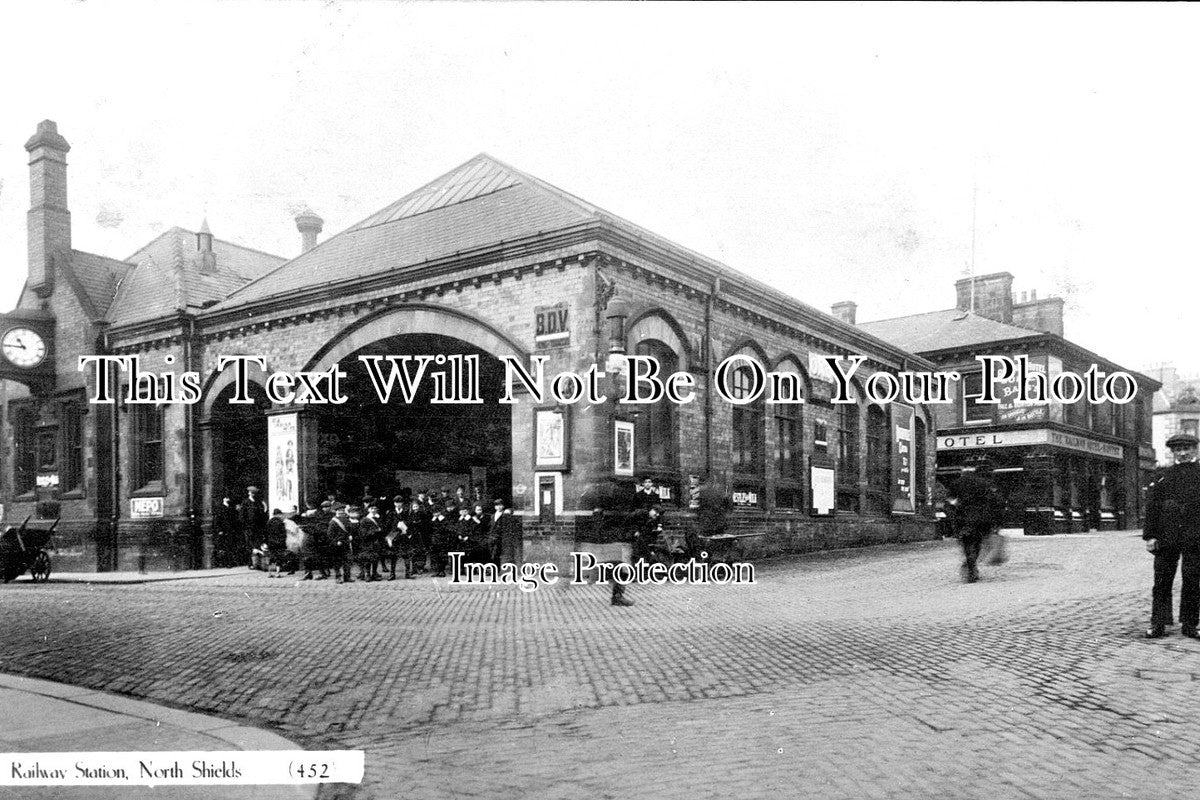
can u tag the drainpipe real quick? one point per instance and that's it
(114, 455)
(188, 326)
(708, 379)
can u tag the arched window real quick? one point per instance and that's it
(847, 455)
(879, 461)
(654, 425)
(748, 432)
(789, 440)
(747, 425)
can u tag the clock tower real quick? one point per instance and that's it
(27, 349)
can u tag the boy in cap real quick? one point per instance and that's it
(1172, 534)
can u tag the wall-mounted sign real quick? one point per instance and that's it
(1070, 441)
(45, 481)
(283, 472)
(745, 497)
(550, 438)
(1010, 408)
(623, 448)
(823, 498)
(551, 326)
(145, 507)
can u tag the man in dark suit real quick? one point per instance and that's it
(1172, 534)
(252, 513)
(978, 509)
(443, 533)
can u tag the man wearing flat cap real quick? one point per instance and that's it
(1172, 533)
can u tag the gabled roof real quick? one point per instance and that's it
(95, 278)
(482, 202)
(944, 330)
(167, 277)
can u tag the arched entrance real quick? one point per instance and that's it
(368, 446)
(239, 443)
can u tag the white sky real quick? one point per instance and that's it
(828, 150)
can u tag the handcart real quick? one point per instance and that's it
(24, 548)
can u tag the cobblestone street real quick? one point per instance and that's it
(870, 673)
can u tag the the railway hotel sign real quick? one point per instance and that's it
(969, 441)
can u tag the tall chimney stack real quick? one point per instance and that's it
(49, 222)
(309, 225)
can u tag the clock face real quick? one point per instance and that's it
(23, 347)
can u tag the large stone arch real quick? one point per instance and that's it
(416, 318)
(219, 380)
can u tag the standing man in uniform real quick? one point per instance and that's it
(1172, 533)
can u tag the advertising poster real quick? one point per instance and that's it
(903, 465)
(283, 485)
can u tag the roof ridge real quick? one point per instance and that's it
(156, 239)
(908, 316)
(405, 197)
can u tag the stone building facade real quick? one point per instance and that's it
(484, 268)
(1062, 466)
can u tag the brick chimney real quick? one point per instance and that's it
(49, 222)
(846, 311)
(309, 225)
(1040, 315)
(993, 295)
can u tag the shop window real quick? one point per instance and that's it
(23, 417)
(654, 424)
(71, 473)
(147, 445)
(974, 412)
(847, 457)
(879, 460)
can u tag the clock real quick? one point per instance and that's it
(23, 347)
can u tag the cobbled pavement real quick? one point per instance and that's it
(870, 673)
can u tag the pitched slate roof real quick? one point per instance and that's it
(480, 203)
(95, 278)
(942, 330)
(166, 276)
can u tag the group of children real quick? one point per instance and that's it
(368, 543)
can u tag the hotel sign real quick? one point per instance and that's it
(1068, 441)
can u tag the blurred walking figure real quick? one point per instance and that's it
(978, 509)
(1172, 533)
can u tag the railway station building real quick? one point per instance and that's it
(483, 268)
